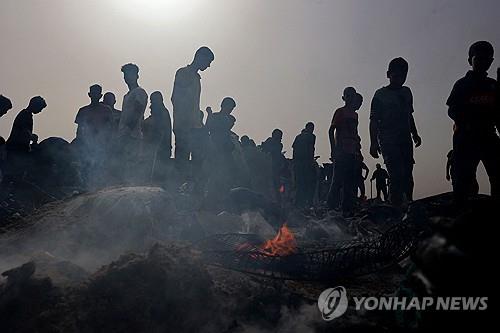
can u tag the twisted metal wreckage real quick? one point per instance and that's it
(314, 261)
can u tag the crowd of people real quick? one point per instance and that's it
(121, 147)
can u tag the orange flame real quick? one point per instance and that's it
(282, 244)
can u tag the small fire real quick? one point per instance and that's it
(282, 244)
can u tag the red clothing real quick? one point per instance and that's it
(345, 123)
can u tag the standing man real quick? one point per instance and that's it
(346, 152)
(109, 99)
(157, 135)
(392, 129)
(130, 128)
(186, 105)
(380, 176)
(93, 134)
(274, 147)
(304, 166)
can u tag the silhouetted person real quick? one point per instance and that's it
(219, 125)
(346, 152)
(380, 176)
(304, 166)
(451, 175)
(450, 170)
(186, 104)
(22, 138)
(93, 134)
(158, 131)
(94, 121)
(5, 105)
(223, 168)
(109, 99)
(274, 147)
(130, 128)
(361, 166)
(474, 106)
(247, 142)
(392, 128)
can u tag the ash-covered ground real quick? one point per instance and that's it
(126, 259)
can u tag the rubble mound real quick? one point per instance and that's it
(93, 229)
(454, 260)
(167, 289)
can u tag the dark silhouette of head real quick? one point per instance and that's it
(130, 74)
(109, 99)
(5, 105)
(156, 102)
(309, 127)
(481, 56)
(277, 134)
(203, 58)
(228, 104)
(357, 101)
(397, 72)
(348, 95)
(95, 93)
(378, 166)
(245, 141)
(37, 104)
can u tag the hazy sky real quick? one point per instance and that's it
(285, 62)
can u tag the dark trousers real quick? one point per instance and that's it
(383, 189)
(182, 144)
(305, 182)
(398, 159)
(361, 186)
(467, 153)
(344, 184)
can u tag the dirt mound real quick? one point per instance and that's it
(166, 289)
(93, 229)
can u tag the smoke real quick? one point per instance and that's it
(305, 319)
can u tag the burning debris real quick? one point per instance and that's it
(169, 286)
(283, 244)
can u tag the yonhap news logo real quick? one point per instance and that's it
(333, 302)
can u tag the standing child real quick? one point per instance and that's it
(474, 107)
(346, 152)
(392, 129)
